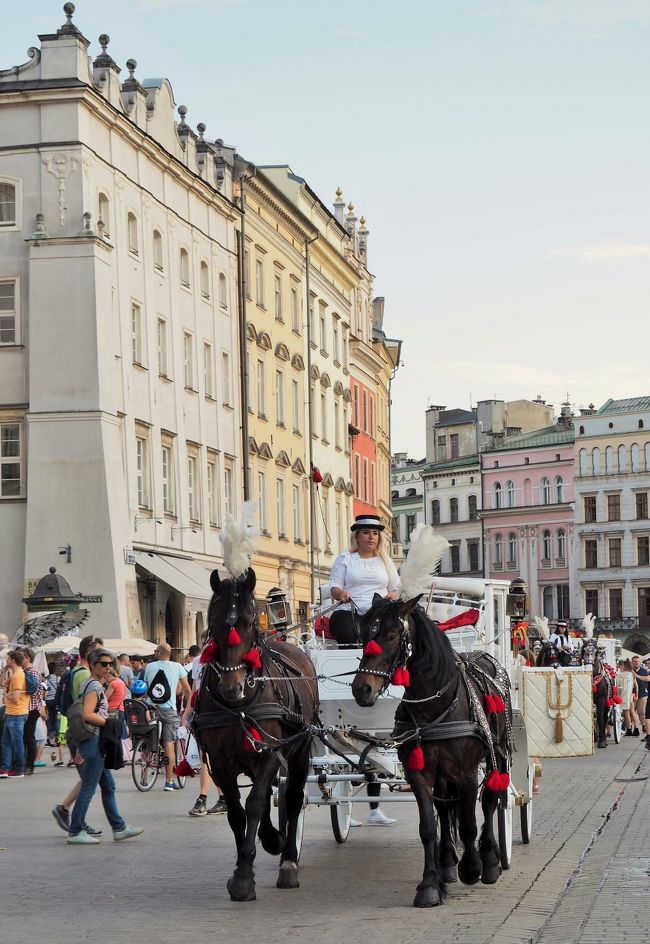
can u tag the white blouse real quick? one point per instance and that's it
(362, 577)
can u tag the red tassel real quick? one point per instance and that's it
(209, 652)
(195, 695)
(184, 769)
(406, 678)
(253, 659)
(594, 689)
(610, 702)
(372, 649)
(499, 704)
(614, 690)
(398, 676)
(618, 700)
(488, 704)
(251, 734)
(416, 759)
(497, 782)
(233, 637)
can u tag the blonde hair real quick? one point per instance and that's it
(383, 548)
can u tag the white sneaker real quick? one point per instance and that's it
(355, 822)
(377, 818)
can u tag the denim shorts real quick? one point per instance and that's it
(170, 724)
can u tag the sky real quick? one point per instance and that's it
(499, 151)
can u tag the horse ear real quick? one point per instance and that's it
(215, 581)
(376, 598)
(251, 580)
(410, 605)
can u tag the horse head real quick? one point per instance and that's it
(387, 647)
(589, 652)
(232, 634)
(548, 655)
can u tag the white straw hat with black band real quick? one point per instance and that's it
(367, 521)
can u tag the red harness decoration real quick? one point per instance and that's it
(372, 649)
(253, 659)
(251, 734)
(401, 676)
(209, 652)
(497, 781)
(233, 637)
(494, 704)
(415, 759)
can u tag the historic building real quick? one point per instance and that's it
(118, 342)
(612, 532)
(407, 499)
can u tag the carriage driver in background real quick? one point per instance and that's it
(560, 638)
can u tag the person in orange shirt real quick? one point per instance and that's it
(16, 710)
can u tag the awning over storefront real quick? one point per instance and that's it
(188, 577)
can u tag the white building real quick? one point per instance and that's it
(118, 342)
(407, 498)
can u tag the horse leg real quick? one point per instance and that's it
(241, 885)
(601, 714)
(431, 890)
(297, 771)
(448, 857)
(469, 867)
(270, 837)
(487, 844)
(236, 815)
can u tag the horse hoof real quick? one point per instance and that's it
(602, 744)
(241, 889)
(490, 874)
(449, 874)
(288, 875)
(468, 874)
(272, 842)
(427, 897)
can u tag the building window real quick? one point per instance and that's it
(561, 544)
(614, 507)
(132, 229)
(546, 545)
(510, 494)
(103, 213)
(259, 283)
(562, 601)
(295, 311)
(7, 204)
(365, 480)
(278, 298)
(279, 398)
(295, 406)
(411, 521)
(559, 489)
(323, 332)
(10, 460)
(591, 553)
(8, 312)
(157, 251)
(226, 384)
(335, 341)
(454, 551)
(205, 280)
(616, 603)
(357, 477)
(371, 415)
(643, 551)
(167, 478)
(453, 510)
(323, 415)
(223, 291)
(208, 371)
(471, 508)
(296, 507)
(591, 601)
(188, 360)
(185, 268)
(162, 347)
(261, 497)
(345, 350)
(337, 424)
(372, 484)
(442, 448)
(641, 499)
(435, 511)
(142, 470)
(547, 602)
(472, 550)
(211, 483)
(590, 508)
(498, 550)
(496, 495)
(280, 508)
(453, 441)
(512, 548)
(247, 273)
(261, 390)
(364, 411)
(228, 488)
(355, 406)
(615, 552)
(193, 487)
(546, 491)
(136, 334)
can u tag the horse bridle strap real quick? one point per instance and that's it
(438, 731)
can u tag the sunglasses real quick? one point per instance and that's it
(105, 665)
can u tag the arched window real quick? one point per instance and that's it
(512, 548)
(510, 494)
(435, 511)
(635, 455)
(547, 602)
(498, 549)
(609, 460)
(185, 268)
(471, 508)
(622, 459)
(496, 495)
(223, 292)
(132, 226)
(582, 462)
(559, 489)
(595, 460)
(7, 204)
(546, 491)
(205, 280)
(646, 450)
(560, 550)
(103, 212)
(157, 250)
(546, 545)
(453, 510)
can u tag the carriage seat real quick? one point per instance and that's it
(135, 715)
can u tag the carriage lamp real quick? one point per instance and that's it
(517, 600)
(278, 609)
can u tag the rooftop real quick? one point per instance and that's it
(631, 405)
(547, 436)
(455, 418)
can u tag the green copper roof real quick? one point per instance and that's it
(632, 405)
(548, 436)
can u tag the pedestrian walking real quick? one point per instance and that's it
(91, 759)
(16, 710)
(163, 678)
(126, 672)
(36, 688)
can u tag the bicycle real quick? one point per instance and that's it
(148, 753)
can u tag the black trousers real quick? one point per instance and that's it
(343, 627)
(29, 738)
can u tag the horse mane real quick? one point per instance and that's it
(432, 646)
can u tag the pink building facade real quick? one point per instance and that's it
(528, 513)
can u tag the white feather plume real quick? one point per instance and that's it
(238, 540)
(541, 623)
(588, 624)
(425, 551)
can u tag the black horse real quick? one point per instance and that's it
(602, 688)
(456, 715)
(256, 698)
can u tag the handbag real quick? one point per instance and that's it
(78, 729)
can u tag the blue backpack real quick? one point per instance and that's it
(32, 682)
(64, 691)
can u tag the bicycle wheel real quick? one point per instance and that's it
(179, 755)
(144, 765)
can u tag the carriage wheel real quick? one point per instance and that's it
(282, 815)
(617, 723)
(341, 813)
(179, 755)
(526, 809)
(504, 823)
(144, 765)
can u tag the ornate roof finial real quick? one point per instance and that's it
(68, 9)
(201, 129)
(131, 65)
(183, 127)
(104, 40)
(350, 209)
(362, 221)
(339, 192)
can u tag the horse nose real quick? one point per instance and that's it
(363, 693)
(233, 692)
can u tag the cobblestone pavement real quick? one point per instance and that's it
(583, 878)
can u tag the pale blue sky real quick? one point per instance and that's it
(499, 151)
